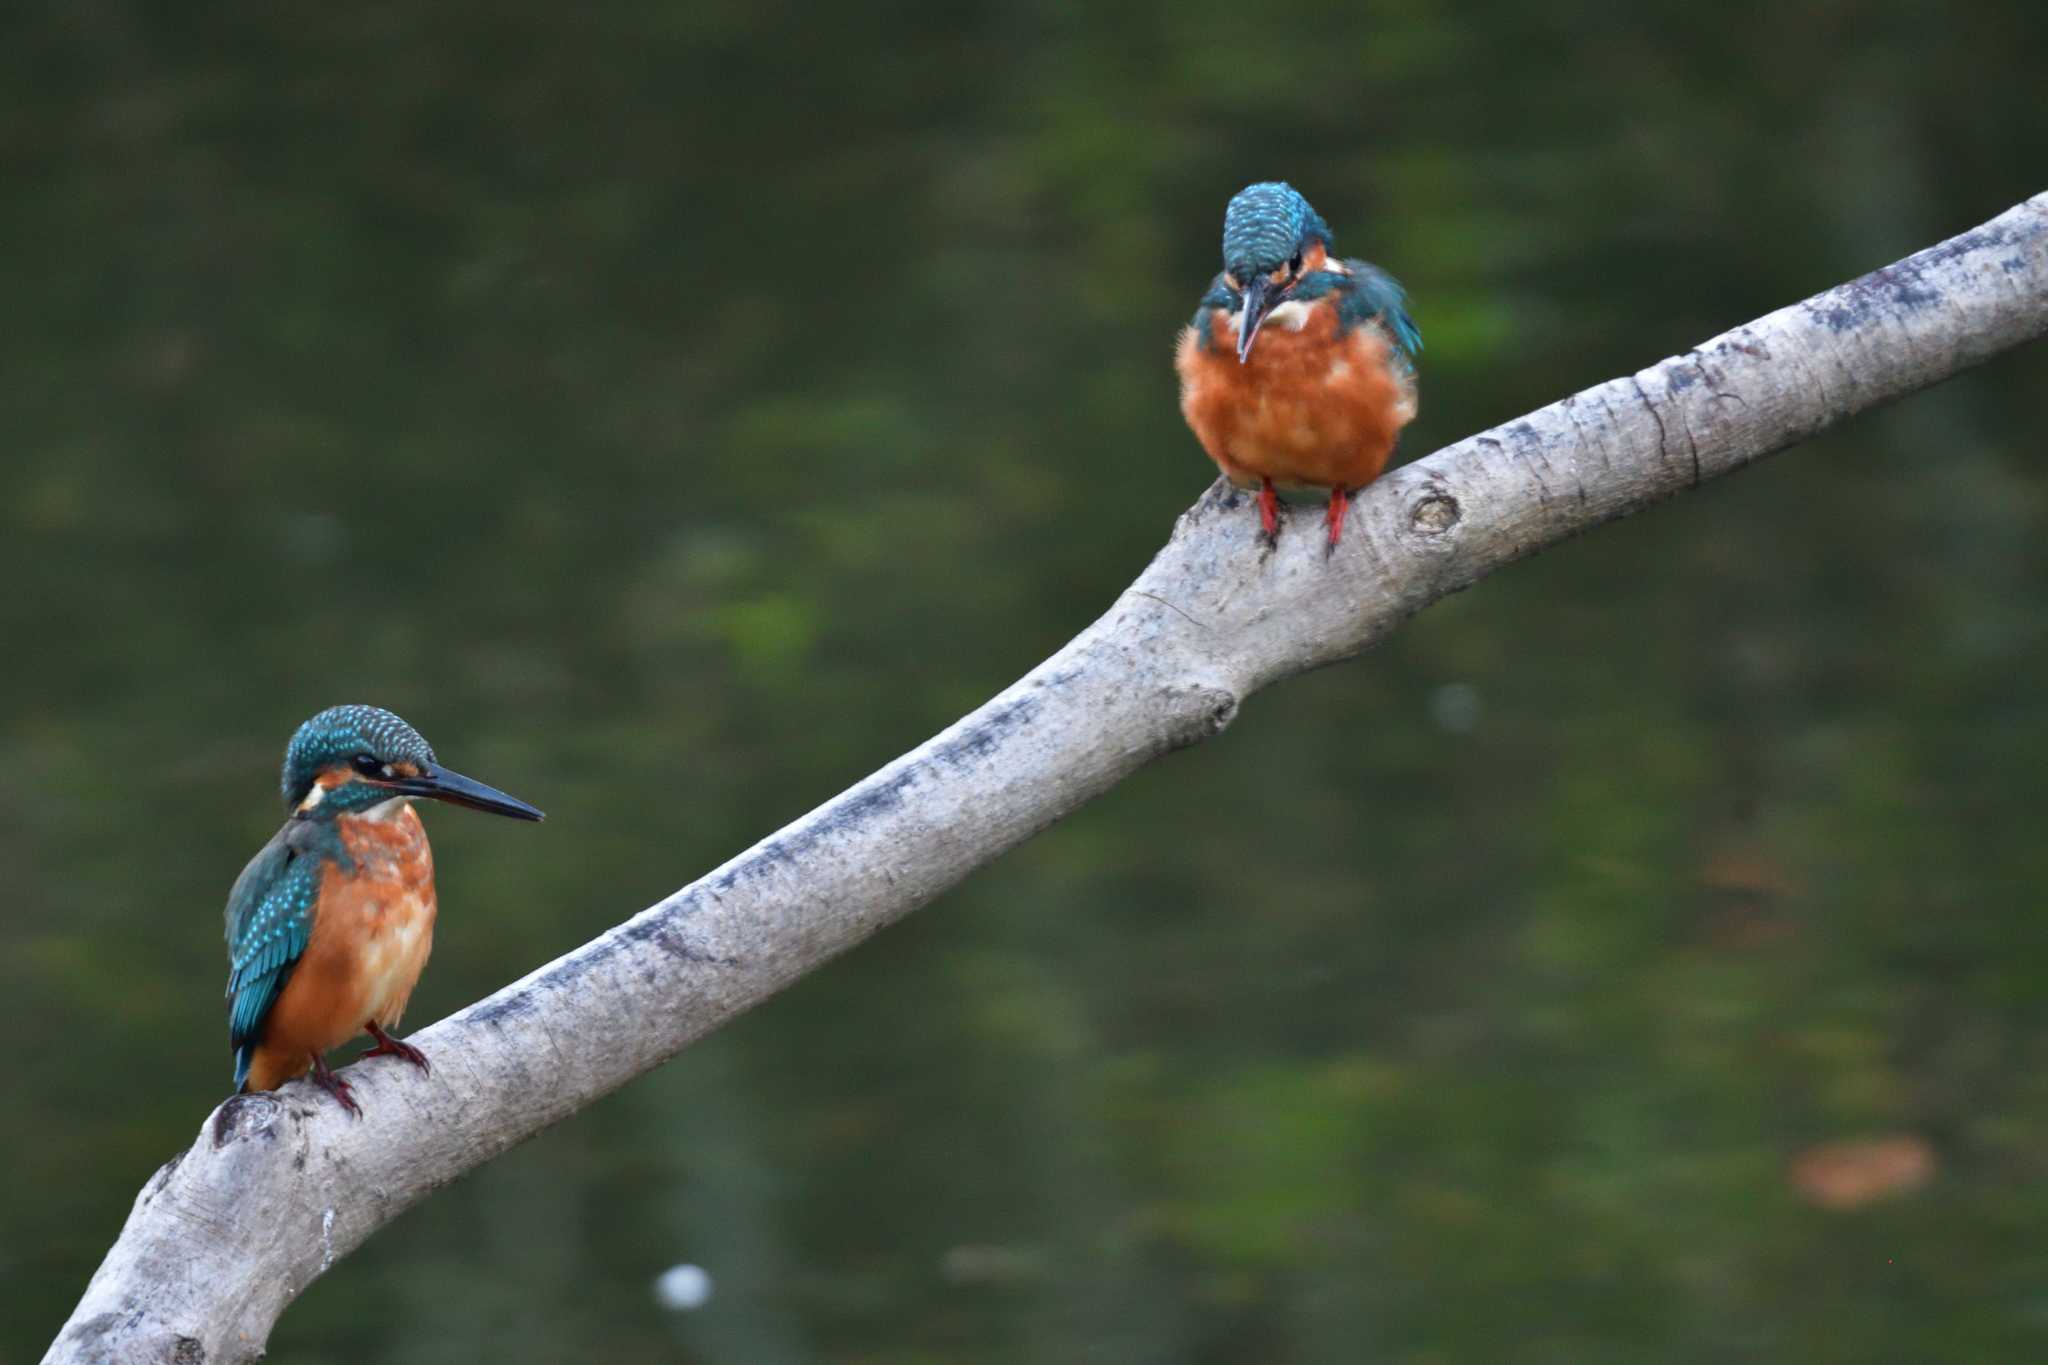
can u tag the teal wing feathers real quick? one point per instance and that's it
(1220, 295)
(269, 921)
(1373, 293)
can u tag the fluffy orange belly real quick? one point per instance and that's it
(371, 938)
(1309, 409)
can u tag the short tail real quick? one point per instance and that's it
(265, 1068)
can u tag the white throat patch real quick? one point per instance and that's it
(384, 810)
(1290, 316)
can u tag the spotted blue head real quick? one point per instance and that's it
(349, 759)
(1267, 232)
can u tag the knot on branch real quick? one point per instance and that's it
(1221, 710)
(245, 1116)
(1205, 711)
(1434, 513)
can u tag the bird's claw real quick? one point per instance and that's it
(387, 1046)
(1340, 504)
(337, 1087)
(1269, 513)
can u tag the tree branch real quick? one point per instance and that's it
(278, 1187)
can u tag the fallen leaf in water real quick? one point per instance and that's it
(1750, 889)
(1848, 1175)
(1744, 870)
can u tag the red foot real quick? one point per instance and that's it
(1269, 510)
(387, 1046)
(334, 1085)
(1340, 503)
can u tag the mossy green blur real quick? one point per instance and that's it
(701, 404)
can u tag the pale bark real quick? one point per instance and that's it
(276, 1188)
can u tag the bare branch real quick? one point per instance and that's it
(278, 1187)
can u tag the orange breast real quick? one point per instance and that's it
(1310, 408)
(371, 937)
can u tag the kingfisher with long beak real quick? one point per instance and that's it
(1299, 369)
(330, 925)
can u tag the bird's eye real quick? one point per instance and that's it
(369, 766)
(1294, 264)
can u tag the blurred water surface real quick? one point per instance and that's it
(677, 411)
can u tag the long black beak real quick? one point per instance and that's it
(1259, 298)
(442, 785)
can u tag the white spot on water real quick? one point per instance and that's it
(1456, 708)
(682, 1288)
(326, 1240)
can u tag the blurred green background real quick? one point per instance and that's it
(677, 411)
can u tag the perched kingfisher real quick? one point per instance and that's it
(329, 926)
(1321, 400)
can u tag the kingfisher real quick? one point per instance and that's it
(1299, 368)
(330, 925)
